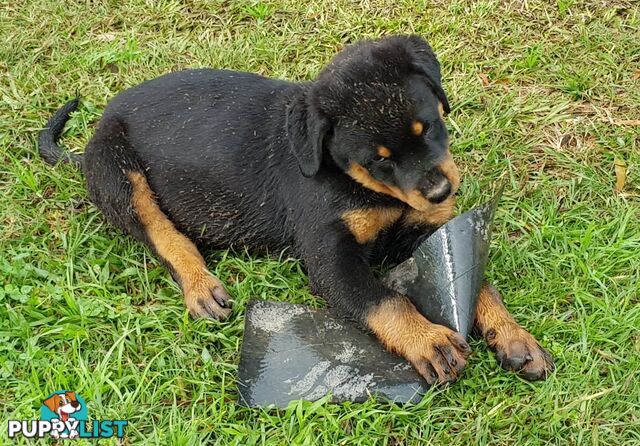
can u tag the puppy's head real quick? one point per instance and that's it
(376, 112)
(63, 402)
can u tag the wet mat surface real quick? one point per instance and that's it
(291, 352)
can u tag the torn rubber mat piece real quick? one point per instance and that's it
(291, 352)
(444, 274)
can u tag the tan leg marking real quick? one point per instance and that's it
(436, 352)
(366, 224)
(515, 347)
(204, 294)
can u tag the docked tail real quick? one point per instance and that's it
(49, 149)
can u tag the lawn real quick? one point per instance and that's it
(545, 98)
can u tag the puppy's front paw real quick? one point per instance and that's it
(436, 352)
(516, 349)
(206, 297)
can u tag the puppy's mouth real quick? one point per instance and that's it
(414, 198)
(424, 201)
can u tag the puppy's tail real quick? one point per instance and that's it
(48, 146)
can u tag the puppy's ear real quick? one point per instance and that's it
(306, 130)
(426, 63)
(71, 396)
(53, 403)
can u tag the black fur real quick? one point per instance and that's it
(237, 159)
(49, 149)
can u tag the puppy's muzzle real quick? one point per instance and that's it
(436, 187)
(440, 191)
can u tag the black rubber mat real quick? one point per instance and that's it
(291, 352)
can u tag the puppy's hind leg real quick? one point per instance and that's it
(204, 294)
(118, 186)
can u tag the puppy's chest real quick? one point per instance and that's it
(366, 224)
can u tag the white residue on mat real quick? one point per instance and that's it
(406, 272)
(343, 381)
(481, 223)
(271, 318)
(330, 324)
(402, 366)
(349, 352)
(347, 383)
(310, 379)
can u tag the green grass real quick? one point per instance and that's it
(542, 92)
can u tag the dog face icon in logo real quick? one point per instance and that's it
(65, 410)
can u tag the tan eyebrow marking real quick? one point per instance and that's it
(384, 151)
(416, 128)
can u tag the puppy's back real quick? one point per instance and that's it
(189, 109)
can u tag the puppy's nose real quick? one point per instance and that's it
(75, 404)
(440, 191)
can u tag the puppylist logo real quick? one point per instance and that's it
(64, 415)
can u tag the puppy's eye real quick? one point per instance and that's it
(380, 162)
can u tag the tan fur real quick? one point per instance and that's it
(434, 215)
(399, 325)
(450, 170)
(491, 313)
(496, 323)
(174, 247)
(413, 198)
(384, 151)
(417, 128)
(440, 213)
(366, 224)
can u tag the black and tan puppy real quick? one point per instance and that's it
(346, 170)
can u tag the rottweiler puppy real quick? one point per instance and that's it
(344, 171)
